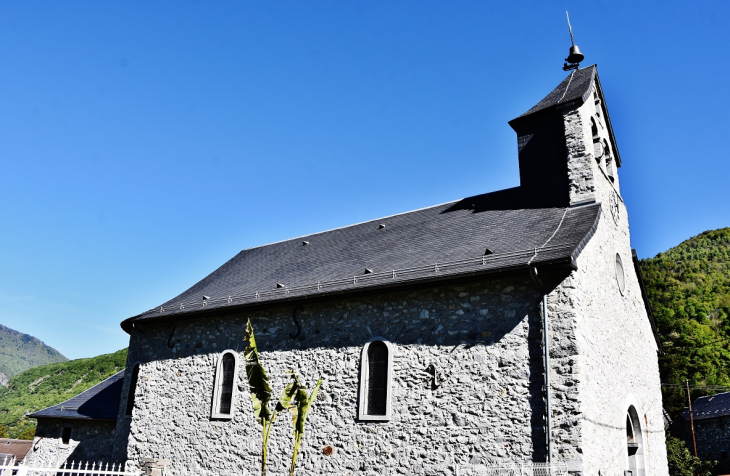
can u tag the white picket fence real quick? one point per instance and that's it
(516, 469)
(11, 467)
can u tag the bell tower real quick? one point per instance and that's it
(567, 150)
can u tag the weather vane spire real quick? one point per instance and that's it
(575, 57)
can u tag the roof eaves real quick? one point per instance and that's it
(566, 262)
(70, 417)
(592, 231)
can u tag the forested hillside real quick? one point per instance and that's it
(41, 387)
(689, 291)
(20, 352)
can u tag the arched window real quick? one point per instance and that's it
(132, 390)
(223, 389)
(609, 162)
(376, 380)
(634, 443)
(594, 129)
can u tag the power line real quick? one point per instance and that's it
(697, 387)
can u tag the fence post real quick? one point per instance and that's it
(22, 469)
(154, 466)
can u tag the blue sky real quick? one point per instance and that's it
(143, 144)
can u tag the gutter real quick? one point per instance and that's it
(546, 359)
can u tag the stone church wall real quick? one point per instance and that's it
(483, 338)
(613, 359)
(713, 440)
(90, 441)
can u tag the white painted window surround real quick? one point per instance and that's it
(362, 413)
(215, 411)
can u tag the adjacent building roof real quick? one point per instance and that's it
(713, 406)
(100, 402)
(14, 449)
(476, 235)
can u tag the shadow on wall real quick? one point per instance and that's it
(437, 317)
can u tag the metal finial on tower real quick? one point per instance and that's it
(575, 57)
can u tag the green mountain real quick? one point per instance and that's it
(689, 291)
(20, 352)
(41, 387)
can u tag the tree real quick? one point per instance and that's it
(28, 433)
(682, 463)
(300, 411)
(260, 389)
(293, 398)
(3, 431)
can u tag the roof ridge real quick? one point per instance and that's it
(352, 225)
(555, 98)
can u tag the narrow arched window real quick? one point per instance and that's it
(608, 161)
(634, 443)
(223, 390)
(132, 390)
(376, 380)
(594, 129)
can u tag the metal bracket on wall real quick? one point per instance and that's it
(433, 376)
(295, 315)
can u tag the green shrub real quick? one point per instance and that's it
(682, 463)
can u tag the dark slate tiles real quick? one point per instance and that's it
(577, 85)
(100, 402)
(713, 406)
(439, 241)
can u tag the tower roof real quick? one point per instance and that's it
(576, 86)
(575, 89)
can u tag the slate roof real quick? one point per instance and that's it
(444, 241)
(493, 232)
(713, 406)
(100, 402)
(14, 449)
(576, 86)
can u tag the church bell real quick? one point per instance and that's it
(575, 55)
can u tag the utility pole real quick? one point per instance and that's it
(691, 420)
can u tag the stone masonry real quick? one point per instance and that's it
(612, 362)
(89, 441)
(483, 339)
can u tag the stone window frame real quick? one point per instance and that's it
(132, 390)
(364, 369)
(218, 383)
(634, 462)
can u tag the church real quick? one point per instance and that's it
(504, 328)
